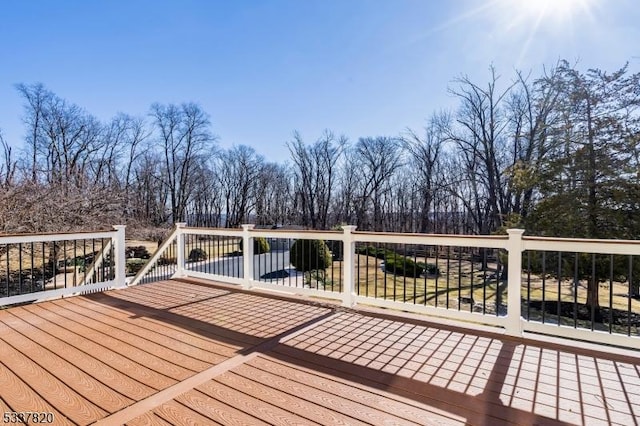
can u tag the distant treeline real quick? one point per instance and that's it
(558, 154)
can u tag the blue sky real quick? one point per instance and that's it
(263, 69)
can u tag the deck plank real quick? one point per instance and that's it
(112, 337)
(177, 414)
(319, 397)
(62, 397)
(104, 373)
(164, 327)
(60, 368)
(157, 345)
(160, 336)
(246, 400)
(392, 405)
(19, 397)
(148, 419)
(217, 410)
(116, 355)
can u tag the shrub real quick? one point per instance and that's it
(310, 255)
(197, 254)
(166, 261)
(260, 245)
(138, 252)
(400, 265)
(133, 266)
(377, 252)
(430, 268)
(337, 249)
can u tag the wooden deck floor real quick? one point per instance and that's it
(178, 352)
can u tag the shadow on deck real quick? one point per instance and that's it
(195, 352)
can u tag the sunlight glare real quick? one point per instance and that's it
(559, 10)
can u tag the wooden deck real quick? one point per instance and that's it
(178, 352)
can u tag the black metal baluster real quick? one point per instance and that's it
(471, 298)
(544, 284)
(459, 275)
(575, 290)
(8, 248)
(404, 273)
(498, 280)
(528, 285)
(448, 274)
(20, 283)
(610, 293)
(629, 294)
(437, 248)
(558, 312)
(484, 281)
(32, 267)
(594, 282)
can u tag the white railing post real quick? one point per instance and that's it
(180, 255)
(349, 253)
(120, 258)
(513, 326)
(247, 256)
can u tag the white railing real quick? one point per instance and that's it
(231, 265)
(24, 276)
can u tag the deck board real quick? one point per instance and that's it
(19, 397)
(150, 324)
(148, 419)
(91, 369)
(272, 360)
(259, 402)
(59, 394)
(177, 414)
(160, 346)
(191, 355)
(121, 342)
(116, 355)
(217, 410)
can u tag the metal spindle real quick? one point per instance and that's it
(459, 275)
(448, 275)
(558, 311)
(575, 290)
(20, 283)
(437, 248)
(610, 293)
(629, 295)
(528, 285)
(544, 284)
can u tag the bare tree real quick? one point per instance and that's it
(184, 138)
(273, 195)
(239, 172)
(426, 166)
(315, 176)
(8, 166)
(378, 159)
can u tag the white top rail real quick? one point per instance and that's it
(497, 241)
(298, 234)
(43, 238)
(224, 232)
(574, 245)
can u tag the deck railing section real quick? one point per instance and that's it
(581, 289)
(584, 289)
(302, 262)
(457, 277)
(212, 253)
(163, 265)
(41, 266)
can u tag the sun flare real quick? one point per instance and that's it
(554, 9)
(527, 20)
